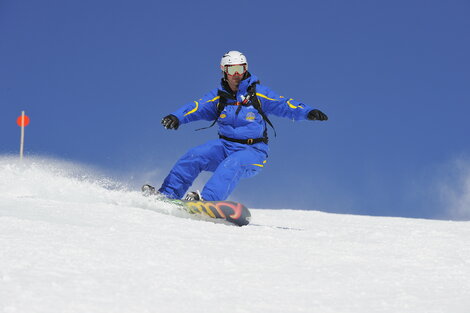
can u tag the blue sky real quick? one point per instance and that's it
(96, 77)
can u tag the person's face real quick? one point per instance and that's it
(235, 73)
(234, 79)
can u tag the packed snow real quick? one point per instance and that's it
(73, 241)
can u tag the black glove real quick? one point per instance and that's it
(317, 115)
(170, 122)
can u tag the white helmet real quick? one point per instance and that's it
(233, 57)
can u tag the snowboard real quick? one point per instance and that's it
(217, 211)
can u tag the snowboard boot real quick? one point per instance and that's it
(148, 190)
(193, 196)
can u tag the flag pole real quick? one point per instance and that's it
(22, 136)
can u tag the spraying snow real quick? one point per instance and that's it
(72, 240)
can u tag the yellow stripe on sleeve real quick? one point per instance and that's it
(260, 165)
(193, 110)
(263, 96)
(281, 97)
(197, 105)
(290, 104)
(212, 100)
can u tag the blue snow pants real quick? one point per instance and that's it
(229, 161)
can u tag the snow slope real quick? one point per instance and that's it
(71, 241)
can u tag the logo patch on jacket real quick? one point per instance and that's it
(223, 115)
(250, 116)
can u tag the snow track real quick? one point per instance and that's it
(74, 241)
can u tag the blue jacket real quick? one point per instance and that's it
(248, 123)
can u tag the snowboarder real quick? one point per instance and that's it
(240, 106)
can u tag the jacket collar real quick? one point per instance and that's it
(242, 88)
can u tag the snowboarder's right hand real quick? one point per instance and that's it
(170, 122)
(317, 115)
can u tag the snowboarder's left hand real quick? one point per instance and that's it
(170, 122)
(317, 115)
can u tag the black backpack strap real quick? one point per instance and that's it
(257, 105)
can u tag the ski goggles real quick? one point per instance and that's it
(233, 69)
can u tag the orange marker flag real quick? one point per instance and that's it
(22, 120)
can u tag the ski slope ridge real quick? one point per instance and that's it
(72, 240)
